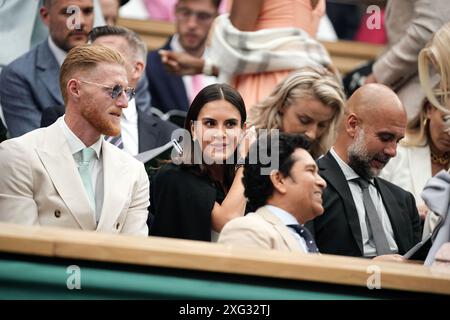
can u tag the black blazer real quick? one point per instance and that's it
(337, 230)
(183, 203)
(167, 90)
(152, 131)
(2, 131)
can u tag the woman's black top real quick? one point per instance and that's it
(183, 202)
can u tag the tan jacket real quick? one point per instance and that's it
(410, 24)
(40, 185)
(260, 229)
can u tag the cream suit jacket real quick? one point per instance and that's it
(260, 229)
(40, 185)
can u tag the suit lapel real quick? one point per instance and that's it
(290, 241)
(330, 170)
(395, 213)
(58, 161)
(147, 132)
(179, 90)
(177, 87)
(116, 186)
(48, 72)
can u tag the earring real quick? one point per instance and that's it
(425, 122)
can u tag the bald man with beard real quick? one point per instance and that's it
(366, 216)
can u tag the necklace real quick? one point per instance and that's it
(442, 160)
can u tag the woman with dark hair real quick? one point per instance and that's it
(196, 197)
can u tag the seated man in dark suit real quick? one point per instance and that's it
(30, 84)
(366, 216)
(140, 131)
(193, 21)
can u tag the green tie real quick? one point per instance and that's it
(87, 154)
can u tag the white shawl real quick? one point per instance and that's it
(237, 52)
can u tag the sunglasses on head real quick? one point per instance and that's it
(116, 90)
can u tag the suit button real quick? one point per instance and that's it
(57, 213)
(117, 225)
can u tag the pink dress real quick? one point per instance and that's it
(278, 14)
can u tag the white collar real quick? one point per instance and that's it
(175, 43)
(74, 143)
(285, 217)
(130, 112)
(348, 172)
(59, 53)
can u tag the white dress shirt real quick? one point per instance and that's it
(187, 80)
(368, 243)
(129, 128)
(95, 166)
(59, 53)
(286, 218)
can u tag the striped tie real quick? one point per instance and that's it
(378, 234)
(117, 141)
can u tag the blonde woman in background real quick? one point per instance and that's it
(309, 101)
(426, 148)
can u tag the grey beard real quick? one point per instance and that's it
(358, 159)
(360, 166)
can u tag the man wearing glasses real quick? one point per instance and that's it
(29, 84)
(67, 175)
(193, 21)
(139, 131)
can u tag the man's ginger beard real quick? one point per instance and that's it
(101, 121)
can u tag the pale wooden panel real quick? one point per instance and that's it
(196, 255)
(347, 64)
(162, 28)
(353, 49)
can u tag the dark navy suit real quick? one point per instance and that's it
(167, 90)
(30, 84)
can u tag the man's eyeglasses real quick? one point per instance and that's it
(202, 16)
(116, 91)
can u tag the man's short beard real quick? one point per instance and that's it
(99, 121)
(359, 159)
